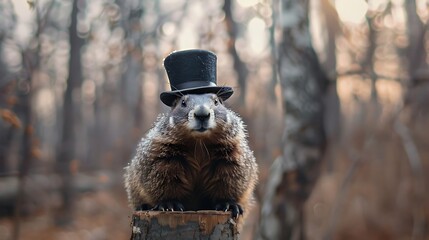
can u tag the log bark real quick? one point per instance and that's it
(183, 225)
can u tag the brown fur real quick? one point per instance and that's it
(197, 170)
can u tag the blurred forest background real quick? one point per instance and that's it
(80, 83)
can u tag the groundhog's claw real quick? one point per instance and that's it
(232, 206)
(169, 206)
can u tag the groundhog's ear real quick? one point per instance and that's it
(225, 93)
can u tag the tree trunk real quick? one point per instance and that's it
(418, 69)
(332, 106)
(5, 143)
(416, 42)
(6, 82)
(131, 80)
(6, 31)
(131, 83)
(239, 66)
(26, 147)
(183, 225)
(70, 109)
(294, 174)
(369, 60)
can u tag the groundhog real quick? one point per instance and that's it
(196, 157)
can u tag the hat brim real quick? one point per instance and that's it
(223, 93)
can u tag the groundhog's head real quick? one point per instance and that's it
(198, 114)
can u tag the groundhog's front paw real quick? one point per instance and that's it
(143, 207)
(229, 205)
(169, 205)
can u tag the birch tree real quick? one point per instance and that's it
(303, 84)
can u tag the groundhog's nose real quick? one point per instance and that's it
(202, 113)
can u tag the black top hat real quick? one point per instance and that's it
(192, 72)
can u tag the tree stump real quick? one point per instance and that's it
(183, 225)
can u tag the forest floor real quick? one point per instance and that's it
(97, 215)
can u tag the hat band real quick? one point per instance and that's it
(193, 84)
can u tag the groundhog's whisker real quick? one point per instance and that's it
(220, 89)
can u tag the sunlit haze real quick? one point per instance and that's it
(256, 35)
(352, 11)
(247, 3)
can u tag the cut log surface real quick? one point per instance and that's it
(183, 225)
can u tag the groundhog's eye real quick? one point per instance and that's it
(216, 102)
(183, 103)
